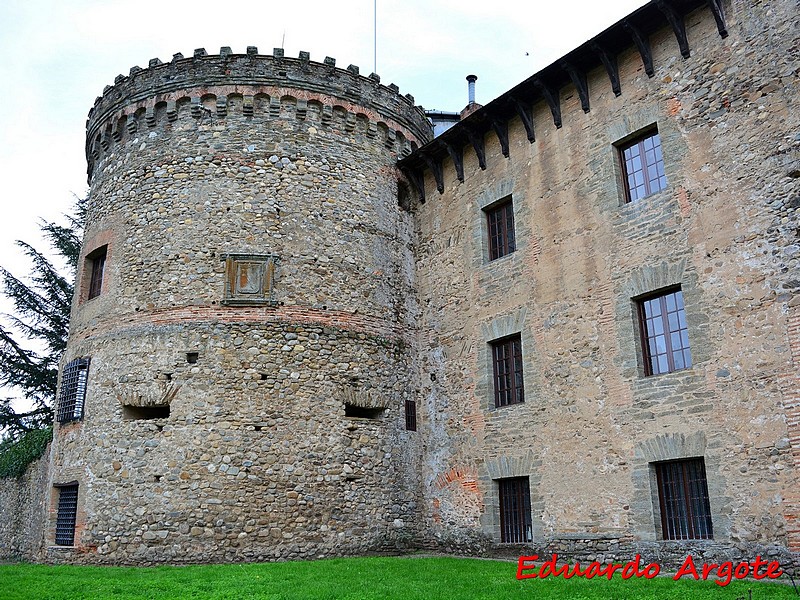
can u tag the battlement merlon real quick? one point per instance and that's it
(251, 69)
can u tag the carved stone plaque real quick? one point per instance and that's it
(249, 279)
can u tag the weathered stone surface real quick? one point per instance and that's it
(375, 304)
(256, 458)
(592, 424)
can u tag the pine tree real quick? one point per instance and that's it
(33, 339)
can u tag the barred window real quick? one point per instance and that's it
(67, 512)
(508, 376)
(683, 500)
(643, 167)
(500, 222)
(73, 390)
(515, 510)
(665, 335)
(411, 415)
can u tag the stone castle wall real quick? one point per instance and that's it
(198, 168)
(23, 515)
(592, 424)
(223, 423)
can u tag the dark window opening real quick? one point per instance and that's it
(73, 390)
(141, 413)
(191, 357)
(683, 500)
(411, 415)
(500, 222)
(96, 267)
(515, 511)
(508, 378)
(66, 515)
(643, 167)
(361, 412)
(665, 336)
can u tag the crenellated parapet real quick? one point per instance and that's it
(209, 87)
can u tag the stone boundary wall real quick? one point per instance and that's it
(22, 512)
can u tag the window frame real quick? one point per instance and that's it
(501, 213)
(96, 268)
(509, 382)
(666, 331)
(66, 514)
(514, 501)
(411, 415)
(638, 141)
(683, 500)
(72, 394)
(249, 279)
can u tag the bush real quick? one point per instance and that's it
(16, 456)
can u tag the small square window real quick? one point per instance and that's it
(96, 265)
(411, 415)
(500, 224)
(642, 166)
(515, 510)
(683, 500)
(507, 367)
(66, 514)
(665, 337)
(73, 391)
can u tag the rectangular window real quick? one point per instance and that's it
(665, 337)
(500, 222)
(411, 415)
(683, 499)
(97, 265)
(67, 512)
(643, 167)
(515, 511)
(73, 391)
(508, 376)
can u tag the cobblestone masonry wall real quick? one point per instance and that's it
(270, 159)
(204, 161)
(725, 230)
(22, 512)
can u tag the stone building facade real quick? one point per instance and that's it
(304, 328)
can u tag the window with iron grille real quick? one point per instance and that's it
(683, 500)
(73, 390)
(97, 265)
(643, 166)
(67, 512)
(515, 511)
(508, 376)
(411, 415)
(500, 222)
(665, 337)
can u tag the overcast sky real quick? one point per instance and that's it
(59, 54)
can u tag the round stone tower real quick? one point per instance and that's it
(236, 381)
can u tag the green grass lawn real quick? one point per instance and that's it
(375, 578)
